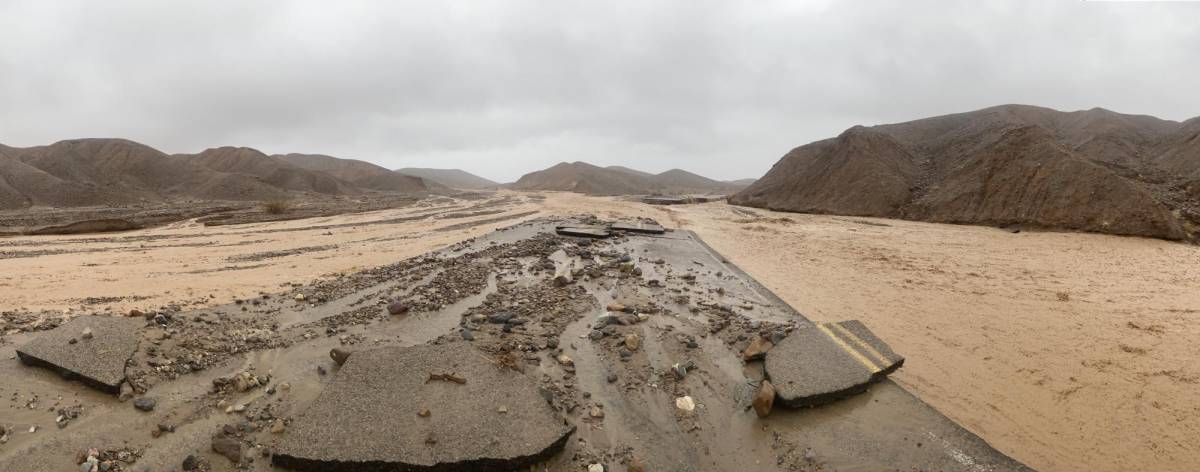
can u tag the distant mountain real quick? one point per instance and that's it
(272, 170)
(453, 178)
(360, 174)
(97, 172)
(741, 182)
(594, 180)
(1093, 170)
(629, 171)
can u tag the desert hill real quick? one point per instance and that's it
(98, 172)
(359, 173)
(1093, 170)
(272, 170)
(453, 178)
(594, 180)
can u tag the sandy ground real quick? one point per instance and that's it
(1066, 351)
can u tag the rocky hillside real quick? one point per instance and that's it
(99, 172)
(361, 174)
(1093, 170)
(453, 178)
(594, 180)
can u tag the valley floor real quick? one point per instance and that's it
(1066, 351)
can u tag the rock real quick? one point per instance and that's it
(86, 334)
(764, 399)
(126, 392)
(615, 307)
(500, 318)
(633, 342)
(135, 313)
(596, 412)
(145, 403)
(397, 308)
(635, 465)
(424, 413)
(612, 377)
(596, 468)
(467, 335)
(190, 463)
(561, 280)
(339, 356)
(566, 360)
(278, 427)
(228, 447)
(685, 403)
(757, 349)
(299, 297)
(595, 335)
(80, 456)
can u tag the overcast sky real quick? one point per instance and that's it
(500, 88)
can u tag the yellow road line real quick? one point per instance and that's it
(850, 350)
(862, 344)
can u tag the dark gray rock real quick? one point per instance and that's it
(98, 361)
(828, 361)
(145, 403)
(346, 427)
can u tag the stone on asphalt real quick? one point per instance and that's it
(97, 361)
(373, 385)
(822, 363)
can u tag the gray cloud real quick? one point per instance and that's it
(722, 88)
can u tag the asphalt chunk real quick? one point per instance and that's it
(828, 361)
(97, 360)
(351, 424)
(638, 227)
(583, 231)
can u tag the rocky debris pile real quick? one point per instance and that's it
(243, 381)
(107, 460)
(448, 416)
(14, 322)
(178, 344)
(98, 360)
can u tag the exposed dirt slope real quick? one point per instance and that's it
(453, 178)
(1093, 170)
(616, 180)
